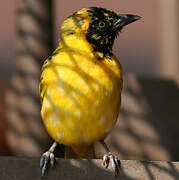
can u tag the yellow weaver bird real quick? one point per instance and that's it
(81, 83)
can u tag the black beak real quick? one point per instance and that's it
(125, 19)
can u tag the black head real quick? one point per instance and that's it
(104, 27)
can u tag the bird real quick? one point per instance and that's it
(81, 83)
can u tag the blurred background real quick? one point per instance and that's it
(149, 54)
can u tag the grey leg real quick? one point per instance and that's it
(109, 157)
(48, 157)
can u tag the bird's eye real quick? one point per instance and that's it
(102, 25)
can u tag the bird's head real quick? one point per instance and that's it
(98, 26)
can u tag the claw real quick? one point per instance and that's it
(41, 161)
(106, 160)
(46, 158)
(114, 163)
(52, 159)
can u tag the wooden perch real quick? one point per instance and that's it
(23, 168)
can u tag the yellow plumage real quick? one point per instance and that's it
(80, 89)
(81, 83)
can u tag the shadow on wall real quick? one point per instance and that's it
(147, 128)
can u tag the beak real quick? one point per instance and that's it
(125, 19)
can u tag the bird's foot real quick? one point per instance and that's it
(46, 159)
(115, 163)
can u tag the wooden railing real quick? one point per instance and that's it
(23, 168)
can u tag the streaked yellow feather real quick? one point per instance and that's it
(80, 93)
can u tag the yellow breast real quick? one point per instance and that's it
(81, 97)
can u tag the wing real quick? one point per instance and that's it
(43, 84)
